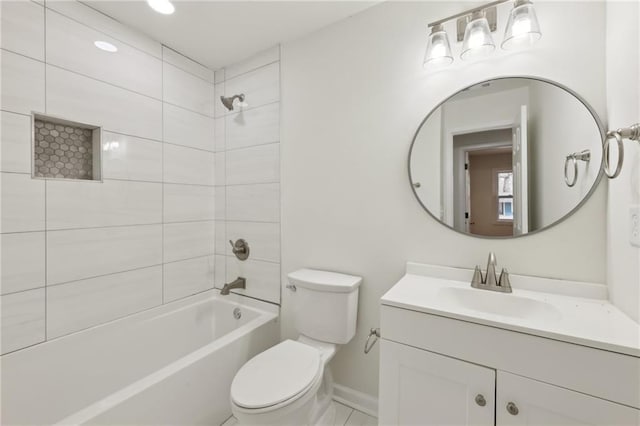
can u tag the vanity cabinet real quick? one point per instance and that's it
(418, 387)
(454, 355)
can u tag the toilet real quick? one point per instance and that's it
(290, 383)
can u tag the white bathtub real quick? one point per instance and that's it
(170, 365)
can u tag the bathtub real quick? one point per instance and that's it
(169, 365)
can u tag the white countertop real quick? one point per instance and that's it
(579, 315)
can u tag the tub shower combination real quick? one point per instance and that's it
(169, 365)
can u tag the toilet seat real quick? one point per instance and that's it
(277, 376)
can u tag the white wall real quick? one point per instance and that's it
(79, 253)
(623, 104)
(353, 95)
(248, 174)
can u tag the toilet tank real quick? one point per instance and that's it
(325, 304)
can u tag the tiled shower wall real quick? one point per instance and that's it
(80, 253)
(248, 174)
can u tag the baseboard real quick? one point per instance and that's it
(355, 399)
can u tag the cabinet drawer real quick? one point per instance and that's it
(604, 374)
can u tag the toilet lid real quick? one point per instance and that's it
(276, 375)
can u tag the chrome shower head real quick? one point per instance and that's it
(228, 101)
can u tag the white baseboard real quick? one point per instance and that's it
(355, 399)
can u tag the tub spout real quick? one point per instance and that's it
(238, 283)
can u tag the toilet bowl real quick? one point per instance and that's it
(288, 384)
(291, 383)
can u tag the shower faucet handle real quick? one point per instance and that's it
(240, 248)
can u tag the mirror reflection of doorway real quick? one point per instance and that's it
(483, 180)
(491, 192)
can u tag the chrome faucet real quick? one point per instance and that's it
(490, 281)
(238, 283)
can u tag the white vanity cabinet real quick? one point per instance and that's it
(418, 387)
(555, 360)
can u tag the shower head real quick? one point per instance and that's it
(228, 101)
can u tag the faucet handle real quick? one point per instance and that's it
(504, 279)
(240, 248)
(477, 276)
(477, 280)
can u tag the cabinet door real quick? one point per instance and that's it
(537, 403)
(418, 387)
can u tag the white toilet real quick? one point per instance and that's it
(290, 383)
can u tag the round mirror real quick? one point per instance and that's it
(506, 157)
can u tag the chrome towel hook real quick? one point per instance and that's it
(368, 345)
(631, 133)
(584, 155)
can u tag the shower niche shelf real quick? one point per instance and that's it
(65, 149)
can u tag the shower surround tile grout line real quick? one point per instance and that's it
(162, 171)
(33, 172)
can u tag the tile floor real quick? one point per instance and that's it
(345, 416)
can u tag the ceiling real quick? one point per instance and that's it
(219, 33)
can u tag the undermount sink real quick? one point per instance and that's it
(489, 302)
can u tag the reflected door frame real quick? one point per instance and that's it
(448, 174)
(461, 155)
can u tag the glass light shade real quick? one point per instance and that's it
(477, 40)
(438, 52)
(522, 29)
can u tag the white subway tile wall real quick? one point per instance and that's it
(247, 146)
(76, 254)
(16, 143)
(185, 277)
(22, 28)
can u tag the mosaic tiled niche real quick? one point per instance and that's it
(65, 150)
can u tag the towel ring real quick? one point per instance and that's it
(632, 133)
(584, 155)
(613, 135)
(571, 183)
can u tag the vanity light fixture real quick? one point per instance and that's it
(106, 46)
(438, 48)
(522, 27)
(474, 28)
(477, 41)
(164, 7)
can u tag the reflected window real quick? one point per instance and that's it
(505, 194)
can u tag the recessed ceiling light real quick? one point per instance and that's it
(106, 46)
(161, 6)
